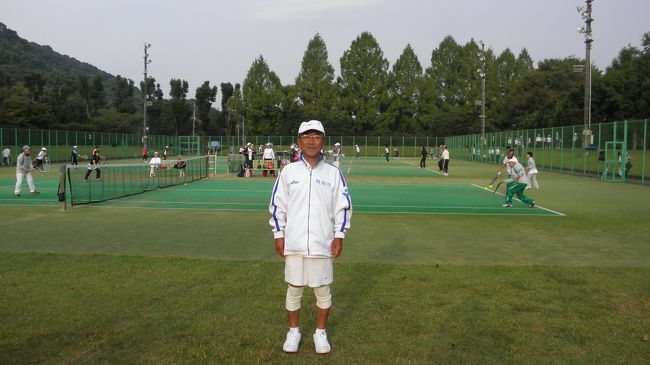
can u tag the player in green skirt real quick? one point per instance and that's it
(517, 184)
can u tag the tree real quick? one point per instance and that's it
(363, 81)
(627, 83)
(315, 89)
(97, 96)
(205, 96)
(20, 110)
(452, 87)
(34, 83)
(262, 98)
(235, 110)
(550, 96)
(227, 91)
(180, 111)
(84, 91)
(123, 100)
(150, 88)
(404, 91)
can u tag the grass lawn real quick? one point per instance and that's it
(110, 284)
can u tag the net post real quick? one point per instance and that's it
(62, 188)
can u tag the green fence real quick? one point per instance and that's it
(59, 143)
(568, 149)
(561, 149)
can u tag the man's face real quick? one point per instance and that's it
(311, 143)
(26, 150)
(511, 153)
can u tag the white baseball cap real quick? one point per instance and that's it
(337, 144)
(312, 125)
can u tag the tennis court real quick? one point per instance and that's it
(376, 186)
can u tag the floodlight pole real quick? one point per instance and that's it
(585, 12)
(144, 94)
(483, 75)
(193, 116)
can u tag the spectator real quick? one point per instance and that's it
(6, 157)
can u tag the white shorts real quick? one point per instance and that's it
(310, 271)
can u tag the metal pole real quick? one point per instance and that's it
(144, 94)
(193, 116)
(585, 12)
(483, 75)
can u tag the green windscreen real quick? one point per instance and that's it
(90, 185)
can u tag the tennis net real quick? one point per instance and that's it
(89, 184)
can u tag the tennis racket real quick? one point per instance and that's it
(497, 188)
(495, 178)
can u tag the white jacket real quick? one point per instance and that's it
(268, 154)
(309, 208)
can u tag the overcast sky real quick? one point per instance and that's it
(217, 41)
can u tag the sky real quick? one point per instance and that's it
(217, 41)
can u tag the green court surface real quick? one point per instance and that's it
(418, 191)
(254, 195)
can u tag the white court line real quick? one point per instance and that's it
(538, 206)
(434, 171)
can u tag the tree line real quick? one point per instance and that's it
(369, 97)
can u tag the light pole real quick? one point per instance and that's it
(482, 74)
(144, 93)
(193, 116)
(585, 13)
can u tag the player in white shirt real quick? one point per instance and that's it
(269, 157)
(336, 155)
(532, 172)
(154, 164)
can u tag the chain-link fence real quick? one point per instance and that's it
(59, 143)
(614, 151)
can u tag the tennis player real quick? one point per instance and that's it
(93, 164)
(444, 158)
(24, 168)
(336, 154)
(154, 164)
(310, 214)
(532, 172)
(42, 156)
(517, 184)
(510, 155)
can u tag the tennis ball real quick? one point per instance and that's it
(489, 186)
(185, 184)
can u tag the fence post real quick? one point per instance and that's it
(645, 136)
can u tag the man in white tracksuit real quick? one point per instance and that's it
(311, 211)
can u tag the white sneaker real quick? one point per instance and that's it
(320, 342)
(292, 342)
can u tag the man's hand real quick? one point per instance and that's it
(337, 247)
(279, 246)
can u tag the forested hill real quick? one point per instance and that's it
(20, 57)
